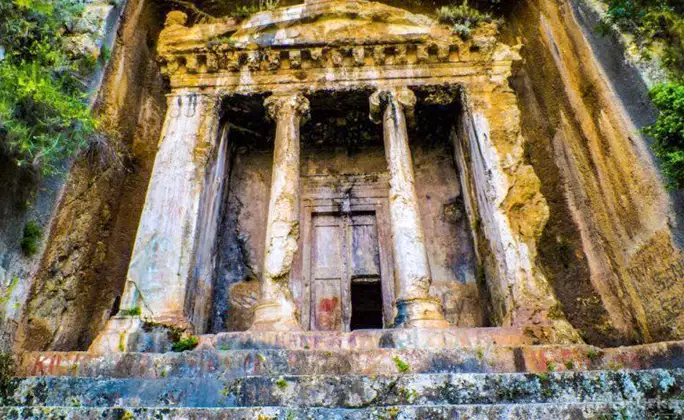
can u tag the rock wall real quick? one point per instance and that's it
(30, 198)
(242, 236)
(80, 278)
(615, 268)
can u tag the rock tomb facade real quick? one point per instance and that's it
(340, 188)
(338, 239)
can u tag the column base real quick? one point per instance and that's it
(275, 316)
(116, 336)
(420, 313)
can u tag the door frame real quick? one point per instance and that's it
(338, 195)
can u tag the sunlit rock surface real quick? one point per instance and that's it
(344, 209)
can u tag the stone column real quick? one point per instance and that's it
(415, 308)
(180, 196)
(276, 309)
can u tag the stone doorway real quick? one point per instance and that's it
(345, 260)
(345, 275)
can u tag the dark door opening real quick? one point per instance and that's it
(366, 305)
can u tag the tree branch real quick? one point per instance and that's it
(194, 9)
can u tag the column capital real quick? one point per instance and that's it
(283, 104)
(401, 97)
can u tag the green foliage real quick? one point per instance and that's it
(668, 131)
(281, 383)
(463, 18)
(131, 312)
(661, 23)
(5, 297)
(185, 343)
(7, 368)
(592, 355)
(651, 21)
(243, 11)
(402, 366)
(32, 235)
(43, 114)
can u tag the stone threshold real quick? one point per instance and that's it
(399, 338)
(204, 362)
(137, 337)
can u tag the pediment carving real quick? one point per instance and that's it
(332, 33)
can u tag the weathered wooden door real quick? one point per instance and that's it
(345, 253)
(328, 272)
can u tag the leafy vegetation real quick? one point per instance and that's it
(136, 311)
(185, 343)
(44, 118)
(668, 131)
(651, 22)
(243, 11)
(7, 368)
(281, 383)
(659, 25)
(32, 235)
(463, 17)
(401, 365)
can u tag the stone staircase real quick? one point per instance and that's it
(412, 381)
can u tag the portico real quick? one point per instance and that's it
(331, 239)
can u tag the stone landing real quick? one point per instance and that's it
(266, 379)
(149, 338)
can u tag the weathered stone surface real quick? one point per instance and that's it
(415, 308)
(63, 301)
(566, 411)
(181, 195)
(276, 309)
(321, 357)
(352, 391)
(580, 113)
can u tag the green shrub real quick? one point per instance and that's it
(44, 117)
(402, 366)
(185, 343)
(659, 21)
(668, 131)
(243, 11)
(650, 21)
(463, 18)
(131, 312)
(32, 235)
(7, 368)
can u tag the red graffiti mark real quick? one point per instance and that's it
(39, 366)
(328, 304)
(328, 315)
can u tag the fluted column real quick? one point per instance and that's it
(276, 310)
(415, 308)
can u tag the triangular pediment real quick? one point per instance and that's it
(313, 23)
(333, 22)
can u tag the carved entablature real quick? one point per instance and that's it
(316, 43)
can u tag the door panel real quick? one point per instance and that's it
(365, 254)
(328, 272)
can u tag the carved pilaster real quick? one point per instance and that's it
(175, 235)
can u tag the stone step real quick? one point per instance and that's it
(233, 363)
(351, 391)
(152, 338)
(670, 409)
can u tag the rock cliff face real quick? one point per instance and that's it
(83, 267)
(616, 268)
(580, 207)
